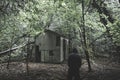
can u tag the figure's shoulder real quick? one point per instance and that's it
(71, 55)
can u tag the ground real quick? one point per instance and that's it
(101, 70)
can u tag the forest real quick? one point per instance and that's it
(92, 26)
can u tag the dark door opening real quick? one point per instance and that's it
(37, 54)
(64, 48)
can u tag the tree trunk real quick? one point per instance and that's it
(9, 55)
(84, 38)
(27, 57)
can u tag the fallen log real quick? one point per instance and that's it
(13, 49)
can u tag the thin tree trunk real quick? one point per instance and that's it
(27, 58)
(84, 38)
(27, 62)
(9, 54)
(9, 59)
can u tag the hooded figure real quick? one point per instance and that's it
(74, 64)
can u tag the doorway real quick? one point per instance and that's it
(64, 49)
(37, 54)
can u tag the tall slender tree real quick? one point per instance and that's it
(84, 37)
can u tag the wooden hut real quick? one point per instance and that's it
(51, 47)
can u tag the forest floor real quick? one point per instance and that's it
(101, 70)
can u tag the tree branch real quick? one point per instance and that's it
(13, 49)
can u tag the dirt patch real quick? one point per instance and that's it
(41, 71)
